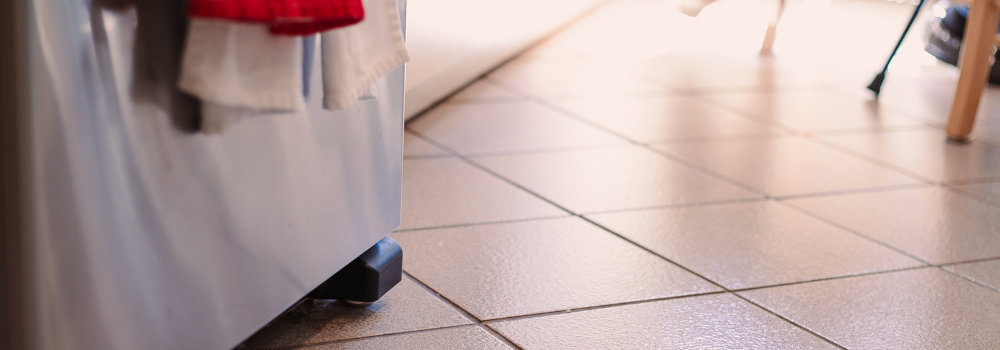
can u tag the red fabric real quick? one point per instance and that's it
(286, 17)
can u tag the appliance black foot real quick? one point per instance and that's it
(367, 278)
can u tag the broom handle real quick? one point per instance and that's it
(906, 30)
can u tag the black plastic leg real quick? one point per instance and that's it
(367, 278)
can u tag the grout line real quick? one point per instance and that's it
(692, 166)
(427, 156)
(608, 230)
(461, 311)
(791, 87)
(968, 278)
(677, 206)
(970, 195)
(972, 261)
(713, 282)
(876, 189)
(783, 318)
(483, 223)
(442, 298)
(750, 115)
(544, 150)
(387, 335)
(706, 171)
(461, 157)
(888, 129)
(499, 336)
(891, 109)
(602, 306)
(872, 160)
(976, 181)
(612, 211)
(856, 233)
(748, 289)
(777, 134)
(480, 167)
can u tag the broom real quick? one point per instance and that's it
(876, 85)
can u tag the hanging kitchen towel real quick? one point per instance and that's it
(355, 57)
(239, 70)
(287, 17)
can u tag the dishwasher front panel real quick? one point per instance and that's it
(147, 235)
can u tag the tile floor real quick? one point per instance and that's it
(646, 180)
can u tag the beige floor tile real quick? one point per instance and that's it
(985, 272)
(916, 309)
(484, 91)
(812, 111)
(657, 119)
(787, 166)
(987, 190)
(708, 71)
(720, 321)
(510, 127)
(447, 191)
(612, 179)
(929, 98)
(572, 79)
(987, 134)
(931, 223)
(416, 147)
(925, 153)
(407, 307)
(745, 245)
(550, 50)
(520, 268)
(459, 338)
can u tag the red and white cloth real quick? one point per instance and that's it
(240, 70)
(355, 57)
(287, 17)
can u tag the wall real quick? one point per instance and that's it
(452, 42)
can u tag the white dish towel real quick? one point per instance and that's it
(355, 57)
(240, 70)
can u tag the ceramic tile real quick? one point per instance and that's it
(754, 244)
(508, 127)
(925, 153)
(812, 111)
(915, 309)
(407, 307)
(930, 98)
(416, 147)
(611, 179)
(657, 119)
(460, 338)
(709, 72)
(447, 191)
(987, 134)
(787, 166)
(484, 91)
(551, 49)
(988, 190)
(520, 268)
(720, 321)
(985, 272)
(931, 223)
(571, 79)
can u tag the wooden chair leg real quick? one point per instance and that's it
(977, 49)
(767, 47)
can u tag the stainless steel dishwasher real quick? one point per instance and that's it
(126, 230)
